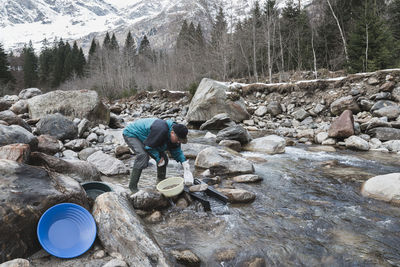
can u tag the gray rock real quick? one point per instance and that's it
(355, 142)
(58, 126)
(381, 104)
(83, 125)
(392, 145)
(12, 119)
(106, 164)
(232, 144)
(26, 192)
(16, 263)
(20, 107)
(149, 199)
(383, 187)
(120, 230)
(73, 104)
(274, 108)
(115, 263)
(77, 144)
(237, 195)
(300, 114)
(191, 150)
(222, 162)
(396, 93)
(29, 93)
(261, 111)
(271, 144)
(16, 134)
(81, 171)
(218, 122)
(391, 112)
(210, 99)
(343, 103)
(385, 133)
(236, 132)
(247, 178)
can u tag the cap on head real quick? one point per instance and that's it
(181, 132)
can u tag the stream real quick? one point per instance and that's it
(308, 211)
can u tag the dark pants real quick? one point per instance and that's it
(142, 157)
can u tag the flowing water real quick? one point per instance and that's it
(308, 211)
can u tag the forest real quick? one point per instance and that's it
(333, 35)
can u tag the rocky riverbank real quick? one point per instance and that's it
(49, 143)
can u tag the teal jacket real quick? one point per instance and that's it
(155, 134)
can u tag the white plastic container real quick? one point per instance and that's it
(163, 186)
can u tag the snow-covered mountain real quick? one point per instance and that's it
(81, 20)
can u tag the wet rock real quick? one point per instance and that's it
(236, 132)
(322, 148)
(186, 257)
(73, 104)
(58, 126)
(119, 229)
(182, 203)
(218, 122)
(16, 152)
(12, 119)
(256, 262)
(155, 217)
(383, 187)
(106, 164)
(198, 188)
(343, 126)
(121, 151)
(82, 171)
(29, 93)
(16, 134)
(232, 144)
(222, 162)
(26, 192)
(149, 199)
(211, 99)
(226, 255)
(16, 263)
(237, 195)
(385, 133)
(271, 144)
(343, 103)
(247, 178)
(355, 142)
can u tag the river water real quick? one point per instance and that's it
(308, 211)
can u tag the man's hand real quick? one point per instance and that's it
(161, 162)
(187, 174)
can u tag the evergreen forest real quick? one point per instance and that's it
(332, 35)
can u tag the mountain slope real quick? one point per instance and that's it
(81, 20)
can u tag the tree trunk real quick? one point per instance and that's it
(341, 32)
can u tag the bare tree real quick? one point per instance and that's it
(340, 30)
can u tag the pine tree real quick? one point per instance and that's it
(59, 58)
(129, 50)
(181, 42)
(144, 48)
(80, 63)
(370, 42)
(68, 63)
(114, 43)
(92, 52)
(30, 66)
(5, 73)
(107, 42)
(199, 36)
(219, 29)
(46, 64)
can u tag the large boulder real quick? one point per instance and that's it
(211, 98)
(29, 93)
(73, 104)
(271, 144)
(16, 134)
(107, 164)
(121, 230)
(383, 187)
(26, 192)
(236, 132)
(58, 126)
(342, 126)
(218, 122)
(80, 170)
(221, 162)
